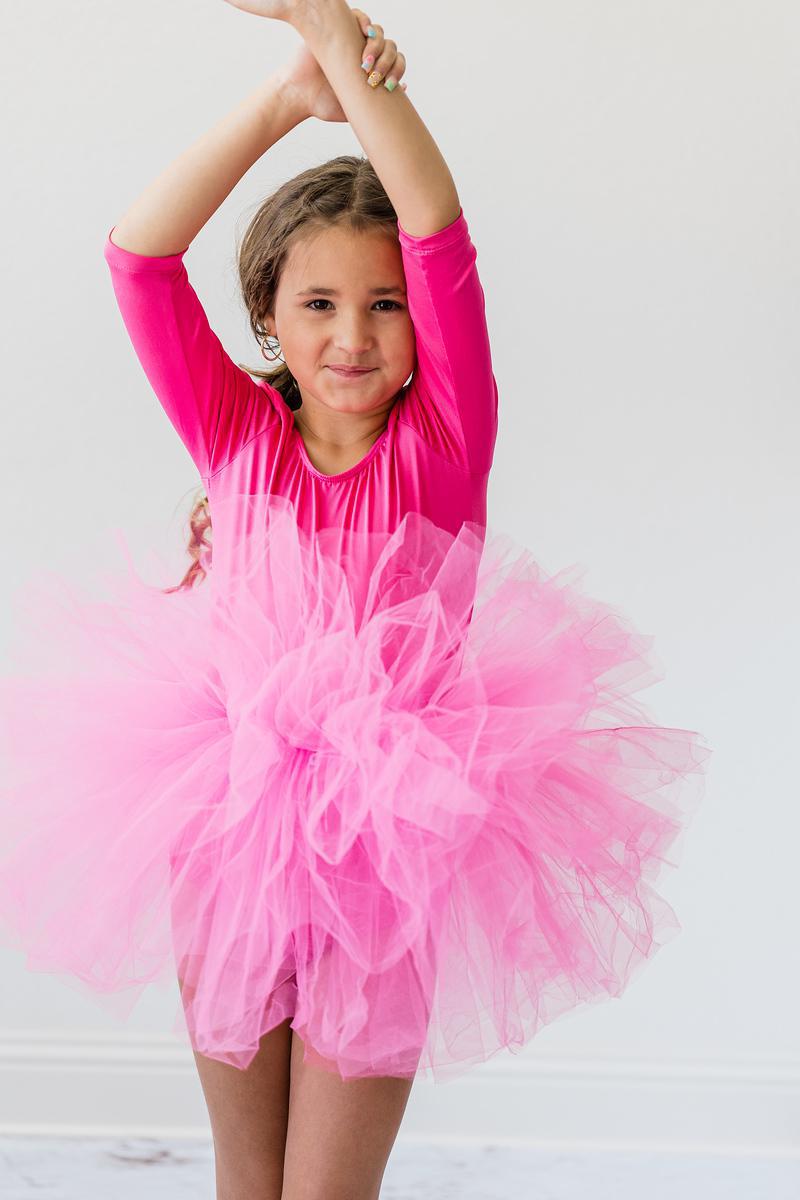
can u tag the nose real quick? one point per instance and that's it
(352, 335)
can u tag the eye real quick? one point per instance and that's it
(321, 300)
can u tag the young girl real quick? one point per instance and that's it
(367, 782)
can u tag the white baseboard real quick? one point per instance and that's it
(147, 1086)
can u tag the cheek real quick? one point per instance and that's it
(302, 343)
(398, 350)
(402, 339)
(408, 348)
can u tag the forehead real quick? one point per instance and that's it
(339, 253)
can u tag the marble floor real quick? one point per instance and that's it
(154, 1169)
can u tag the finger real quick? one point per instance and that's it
(384, 62)
(362, 18)
(374, 48)
(390, 64)
(395, 73)
(387, 58)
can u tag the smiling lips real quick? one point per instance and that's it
(349, 372)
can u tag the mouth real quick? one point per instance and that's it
(351, 372)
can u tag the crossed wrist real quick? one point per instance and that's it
(315, 15)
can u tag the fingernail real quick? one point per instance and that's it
(371, 32)
(367, 63)
(390, 84)
(374, 79)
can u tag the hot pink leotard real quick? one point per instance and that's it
(434, 455)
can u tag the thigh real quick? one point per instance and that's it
(248, 1112)
(340, 1132)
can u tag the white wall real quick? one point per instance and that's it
(630, 172)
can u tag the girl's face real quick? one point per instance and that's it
(341, 301)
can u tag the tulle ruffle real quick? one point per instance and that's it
(397, 790)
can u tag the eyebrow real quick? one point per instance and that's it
(379, 291)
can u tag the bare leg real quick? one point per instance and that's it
(340, 1132)
(249, 1111)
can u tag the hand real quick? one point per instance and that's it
(305, 80)
(387, 62)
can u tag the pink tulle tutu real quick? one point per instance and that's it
(397, 790)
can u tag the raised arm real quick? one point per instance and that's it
(452, 403)
(392, 133)
(172, 210)
(214, 405)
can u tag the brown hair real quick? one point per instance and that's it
(342, 191)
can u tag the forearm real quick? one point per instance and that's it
(391, 132)
(172, 210)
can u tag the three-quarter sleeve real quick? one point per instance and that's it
(452, 398)
(213, 404)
